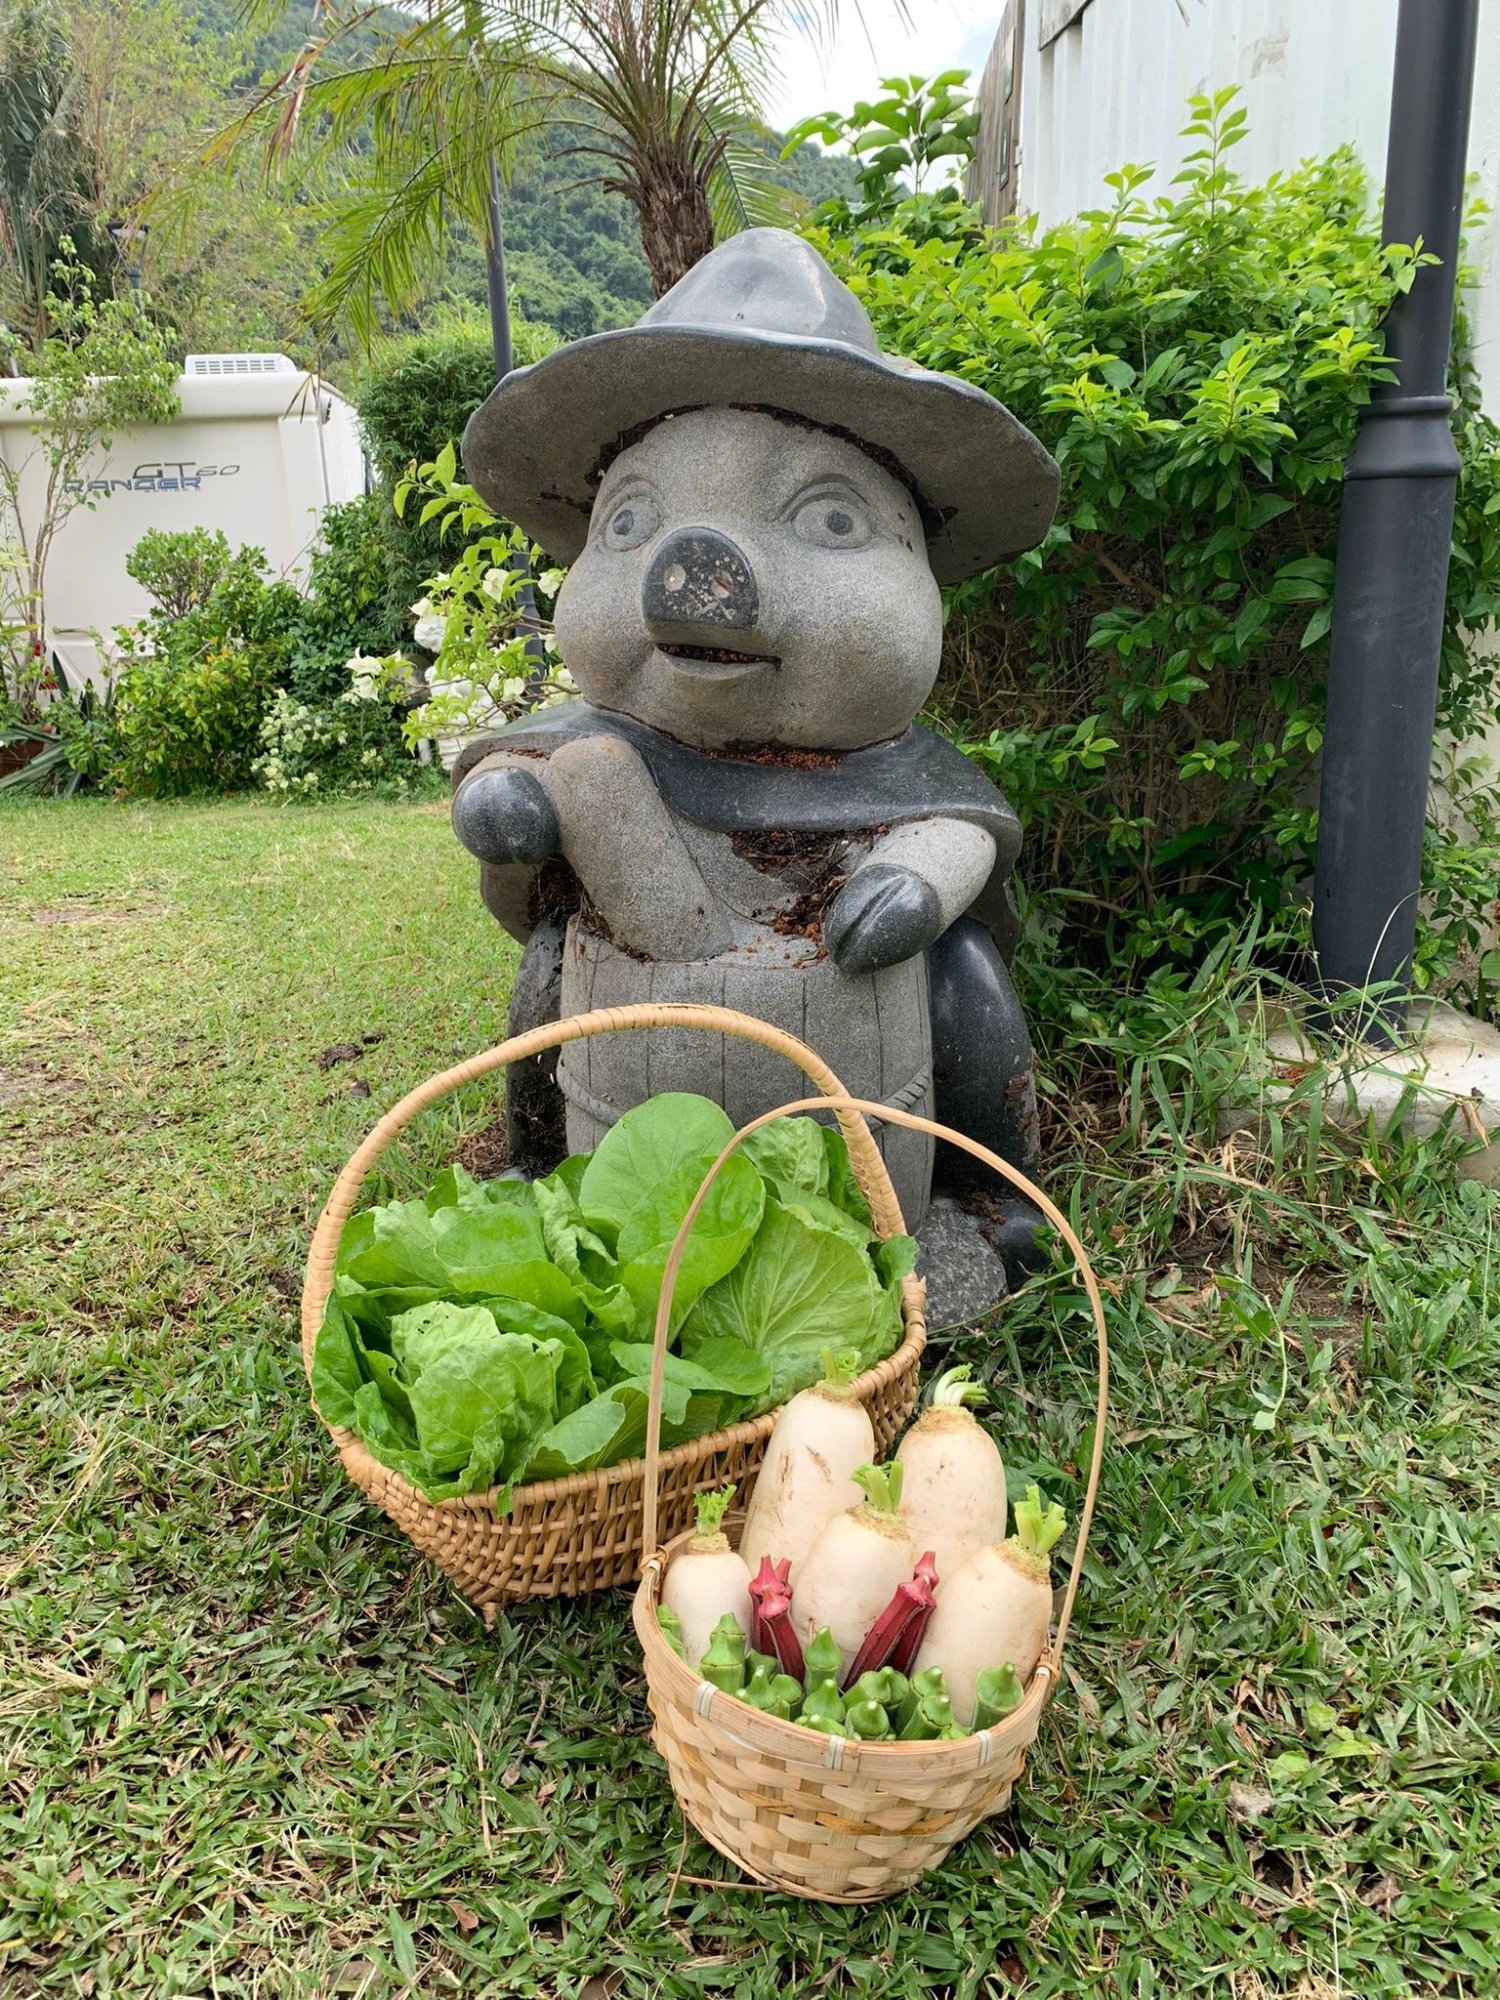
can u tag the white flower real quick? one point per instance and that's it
(492, 583)
(429, 632)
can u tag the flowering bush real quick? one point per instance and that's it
(486, 620)
(352, 744)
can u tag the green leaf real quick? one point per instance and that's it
(648, 1145)
(798, 1290)
(722, 1229)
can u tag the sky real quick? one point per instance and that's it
(871, 41)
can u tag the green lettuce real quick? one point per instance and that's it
(500, 1330)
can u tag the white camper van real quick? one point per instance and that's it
(259, 448)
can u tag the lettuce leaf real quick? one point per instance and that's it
(646, 1147)
(797, 1290)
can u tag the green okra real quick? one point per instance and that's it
(866, 1718)
(671, 1628)
(770, 1690)
(724, 1662)
(933, 1716)
(926, 1685)
(824, 1704)
(996, 1692)
(884, 1685)
(821, 1659)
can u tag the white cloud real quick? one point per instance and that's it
(828, 72)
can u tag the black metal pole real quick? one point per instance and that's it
(1395, 530)
(494, 272)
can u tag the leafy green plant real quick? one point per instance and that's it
(1148, 685)
(179, 568)
(346, 608)
(189, 691)
(918, 125)
(105, 364)
(499, 1330)
(494, 655)
(353, 743)
(415, 396)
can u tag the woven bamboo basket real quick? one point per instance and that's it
(824, 1817)
(563, 1537)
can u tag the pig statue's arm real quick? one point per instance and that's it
(594, 802)
(914, 882)
(503, 815)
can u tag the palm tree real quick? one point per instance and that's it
(44, 194)
(653, 98)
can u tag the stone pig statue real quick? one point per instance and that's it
(758, 507)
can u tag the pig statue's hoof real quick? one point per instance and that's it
(505, 816)
(882, 916)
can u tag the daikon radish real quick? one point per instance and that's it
(851, 1572)
(997, 1607)
(806, 1478)
(953, 1497)
(707, 1579)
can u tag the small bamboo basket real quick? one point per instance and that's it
(836, 1820)
(564, 1537)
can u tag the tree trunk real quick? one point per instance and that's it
(677, 225)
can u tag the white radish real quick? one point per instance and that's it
(953, 1494)
(996, 1609)
(807, 1476)
(707, 1579)
(851, 1572)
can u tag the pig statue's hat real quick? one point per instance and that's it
(761, 323)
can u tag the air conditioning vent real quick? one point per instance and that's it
(239, 364)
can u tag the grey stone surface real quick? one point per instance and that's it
(881, 916)
(761, 323)
(847, 632)
(624, 847)
(964, 1273)
(744, 808)
(507, 818)
(1447, 1076)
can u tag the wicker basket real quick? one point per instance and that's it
(821, 1816)
(563, 1537)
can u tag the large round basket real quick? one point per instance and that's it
(563, 1537)
(826, 1817)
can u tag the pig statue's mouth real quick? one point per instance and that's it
(715, 660)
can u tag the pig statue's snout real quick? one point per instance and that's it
(699, 578)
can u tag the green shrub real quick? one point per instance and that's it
(416, 397)
(179, 568)
(189, 691)
(352, 742)
(193, 725)
(1148, 686)
(346, 609)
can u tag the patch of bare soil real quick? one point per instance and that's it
(81, 910)
(486, 1153)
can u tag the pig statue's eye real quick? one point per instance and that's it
(632, 519)
(833, 520)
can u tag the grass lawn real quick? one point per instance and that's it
(251, 1745)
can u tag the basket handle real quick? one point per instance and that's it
(844, 1106)
(869, 1167)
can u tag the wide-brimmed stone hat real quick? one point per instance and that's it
(761, 323)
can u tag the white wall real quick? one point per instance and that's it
(256, 456)
(1313, 74)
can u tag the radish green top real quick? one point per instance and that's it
(952, 1390)
(882, 1488)
(710, 1509)
(840, 1366)
(1039, 1525)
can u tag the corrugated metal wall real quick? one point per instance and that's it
(1313, 74)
